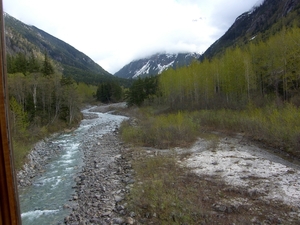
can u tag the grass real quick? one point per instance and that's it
(22, 143)
(277, 127)
(162, 131)
(21, 150)
(166, 193)
(161, 196)
(274, 126)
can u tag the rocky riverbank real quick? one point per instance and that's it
(236, 177)
(102, 185)
(102, 181)
(39, 156)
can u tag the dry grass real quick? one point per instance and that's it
(166, 193)
(162, 131)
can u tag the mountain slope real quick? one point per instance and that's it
(155, 64)
(268, 17)
(26, 39)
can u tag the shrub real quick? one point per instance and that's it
(163, 197)
(162, 131)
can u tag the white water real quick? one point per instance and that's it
(42, 203)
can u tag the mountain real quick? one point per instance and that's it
(155, 64)
(22, 38)
(260, 22)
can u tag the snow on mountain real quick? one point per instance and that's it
(144, 70)
(156, 64)
(165, 67)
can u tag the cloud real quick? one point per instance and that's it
(115, 32)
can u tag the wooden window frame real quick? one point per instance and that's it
(9, 199)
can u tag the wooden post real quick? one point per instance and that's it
(9, 201)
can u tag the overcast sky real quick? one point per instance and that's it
(115, 32)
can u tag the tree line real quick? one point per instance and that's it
(259, 72)
(40, 97)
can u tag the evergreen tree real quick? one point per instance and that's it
(141, 90)
(21, 63)
(47, 68)
(33, 65)
(109, 92)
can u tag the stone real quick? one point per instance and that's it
(132, 214)
(66, 206)
(118, 220)
(118, 198)
(130, 220)
(220, 208)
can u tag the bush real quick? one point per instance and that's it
(162, 131)
(280, 127)
(164, 197)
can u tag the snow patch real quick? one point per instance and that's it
(164, 67)
(171, 55)
(144, 70)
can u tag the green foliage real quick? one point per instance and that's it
(141, 90)
(263, 22)
(16, 64)
(19, 118)
(86, 92)
(47, 68)
(109, 92)
(20, 63)
(25, 39)
(131, 134)
(280, 127)
(164, 197)
(257, 73)
(21, 149)
(162, 131)
(42, 104)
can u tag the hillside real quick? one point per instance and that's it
(259, 23)
(155, 64)
(22, 38)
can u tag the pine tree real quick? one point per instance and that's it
(47, 68)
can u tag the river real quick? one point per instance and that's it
(46, 201)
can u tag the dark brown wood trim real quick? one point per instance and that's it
(9, 201)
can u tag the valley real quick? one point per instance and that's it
(172, 137)
(235, 180)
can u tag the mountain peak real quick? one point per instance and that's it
(26, 39)
(156, 64)
(260, 18)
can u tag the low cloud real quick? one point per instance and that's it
(115, 32)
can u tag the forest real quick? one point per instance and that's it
(259, 73)
(42, 101)
(251, 89)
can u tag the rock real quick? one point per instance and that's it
(66, 206)
(220, 207)
(132, 214)
(118, 220)
(106, 213)
(205, 199)
(130, 220)
(118, 198)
